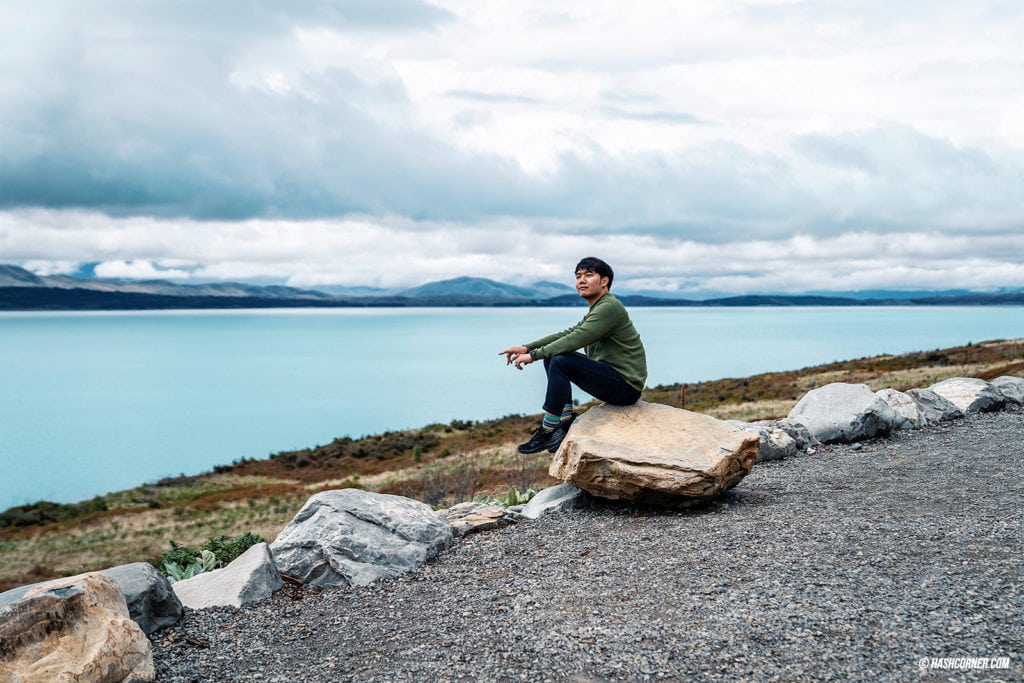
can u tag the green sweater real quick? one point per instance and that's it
(608, 336)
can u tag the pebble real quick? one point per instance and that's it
(845, 564)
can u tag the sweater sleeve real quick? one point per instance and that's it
(534, 345)
(597, 324)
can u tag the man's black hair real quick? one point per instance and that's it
(592, 264)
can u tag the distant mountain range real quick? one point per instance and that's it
(21, 289)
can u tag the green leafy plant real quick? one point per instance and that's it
(181, 562)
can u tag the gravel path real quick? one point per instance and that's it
(849, 564)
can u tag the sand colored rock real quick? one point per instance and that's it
(654, 453)
(468, 518)
(970, 394)
(73, 629)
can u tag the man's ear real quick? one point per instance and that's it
(604, 282)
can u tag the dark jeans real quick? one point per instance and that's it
(598, 379)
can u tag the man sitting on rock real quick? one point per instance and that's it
(613, 370)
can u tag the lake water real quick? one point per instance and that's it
(96, 402)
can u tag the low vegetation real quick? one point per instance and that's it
(439, 464)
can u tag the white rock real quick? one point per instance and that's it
(841, 412)
(909, 412)
(554, 499)
(250, 578)
(969, 394)
(352, 537)
(1012, 388)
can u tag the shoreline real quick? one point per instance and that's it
(434, 464)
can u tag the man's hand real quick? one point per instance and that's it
(518, 355)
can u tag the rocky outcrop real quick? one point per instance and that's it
(554, 499)
(969, 394)
(250, 578)
(654, 453)
(842, 413)
(468, 518)
(353, 537)
(909, 413)
(152, 603)
(776, 443)
(934, 407)
(72, 629)
(1012, 388)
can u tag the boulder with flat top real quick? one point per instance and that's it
(652, 453)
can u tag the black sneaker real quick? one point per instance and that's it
(541, 440)
(559, 434)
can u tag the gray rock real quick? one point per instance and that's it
(152, 602)
(352, 537)
(840, 412)
(909, 413)
(1012, 388)
(798, 431)
(775, 443)
(935, 407)
(468, 518)
(969, 394)
(555, 498)
(250, 578)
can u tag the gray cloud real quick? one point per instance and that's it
(153, 120)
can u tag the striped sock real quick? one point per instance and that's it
(567, 412)
(550, 421)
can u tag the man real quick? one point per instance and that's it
(613, 370)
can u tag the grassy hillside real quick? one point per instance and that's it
(440, 464)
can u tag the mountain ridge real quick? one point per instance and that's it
(20, 289)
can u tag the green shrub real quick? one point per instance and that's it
(181, 562)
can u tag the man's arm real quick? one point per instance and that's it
(596, 325)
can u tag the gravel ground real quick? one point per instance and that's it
(849, 564)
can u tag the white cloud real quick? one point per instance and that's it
(396, 142)
(398, 252)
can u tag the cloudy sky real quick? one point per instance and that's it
(699, 146)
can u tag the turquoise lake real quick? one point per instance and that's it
(97, 402)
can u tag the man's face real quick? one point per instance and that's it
(589, 284)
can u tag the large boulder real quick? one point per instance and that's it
(841, 413)
(152, 603)
(1012, 388)
(776, 443)
(969, 394)
(251, 577)
(73, 629)
(654, 453)
(909, 413)
(934, 407)
(353, 537)
(555, 499)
